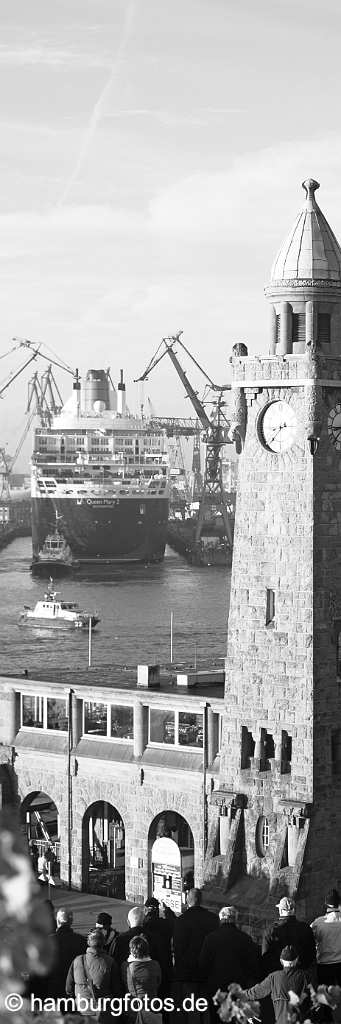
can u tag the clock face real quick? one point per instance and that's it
(334, 426)
(278, 427)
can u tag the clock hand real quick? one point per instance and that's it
(275, 435)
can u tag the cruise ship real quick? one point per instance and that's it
(100, 481)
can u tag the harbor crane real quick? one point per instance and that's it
(214, 500)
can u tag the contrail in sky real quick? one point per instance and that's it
(99, 107)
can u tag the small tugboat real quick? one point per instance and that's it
(56, 613)
(55, 556)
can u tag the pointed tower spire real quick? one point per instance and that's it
(305, 285)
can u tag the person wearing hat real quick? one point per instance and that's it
(327, 935)
(110, 934)
(228, 955)
(288, 931)
(278, 984)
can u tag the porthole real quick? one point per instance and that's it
(262, 836)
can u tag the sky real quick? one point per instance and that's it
(152, 156)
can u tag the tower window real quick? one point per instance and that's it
(336, 751)
(286, 753)
(262, 836)
(248, 748)
(278, 328)
(298, 328)
(267, 750)
(270, 607)
(323, 328)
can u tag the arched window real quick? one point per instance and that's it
(262, 836)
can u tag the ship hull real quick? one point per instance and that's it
(103, 530)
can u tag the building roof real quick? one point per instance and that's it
(311, 251)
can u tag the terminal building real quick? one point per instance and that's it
(243, 775)
(104, 770)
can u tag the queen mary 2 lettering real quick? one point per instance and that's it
(100, 486)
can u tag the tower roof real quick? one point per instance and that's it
(311, 251)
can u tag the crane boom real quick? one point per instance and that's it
(15, 375)
(197, 404)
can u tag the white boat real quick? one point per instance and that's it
(54, 612)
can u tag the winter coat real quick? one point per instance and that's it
(110, 943)
(102, 972)
(227, 955)
(190, 930)
(69, 944)
(278, 985)
(121, 945)
(158, 933)
(144, 978)
(327, 935)
(288, 931)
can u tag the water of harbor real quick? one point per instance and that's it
(134, 604)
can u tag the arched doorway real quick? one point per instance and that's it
(40, 823)
(103, 849)
(172, 875)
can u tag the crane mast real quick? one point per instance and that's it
(214, 500)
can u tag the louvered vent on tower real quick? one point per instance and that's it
(298, 328)
(323, 328)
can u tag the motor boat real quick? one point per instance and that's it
(53, 611)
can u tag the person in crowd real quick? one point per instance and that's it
(278, 984)
(190, 930)
(228, 955)
(69, 944)
(104, 923)
(33, 851)
(135, 927)
(326, 931)
(158, 932)
(94, 975)
(143, 977)
(288, 931)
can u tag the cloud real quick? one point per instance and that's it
(253, 198)
(44, 55)
(84, 219)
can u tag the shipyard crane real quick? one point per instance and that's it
(216, 434)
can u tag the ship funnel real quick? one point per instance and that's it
(121, 396)
(96, 391)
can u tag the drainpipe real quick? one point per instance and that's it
(69, 790)
(204, 774)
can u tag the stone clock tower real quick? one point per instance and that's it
(280, 772)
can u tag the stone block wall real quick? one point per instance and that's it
(281, 677)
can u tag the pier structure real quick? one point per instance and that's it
(280, 770)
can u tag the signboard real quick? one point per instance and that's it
(166, 872)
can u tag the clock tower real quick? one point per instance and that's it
(280, 765)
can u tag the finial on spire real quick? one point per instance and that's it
(310, 186)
